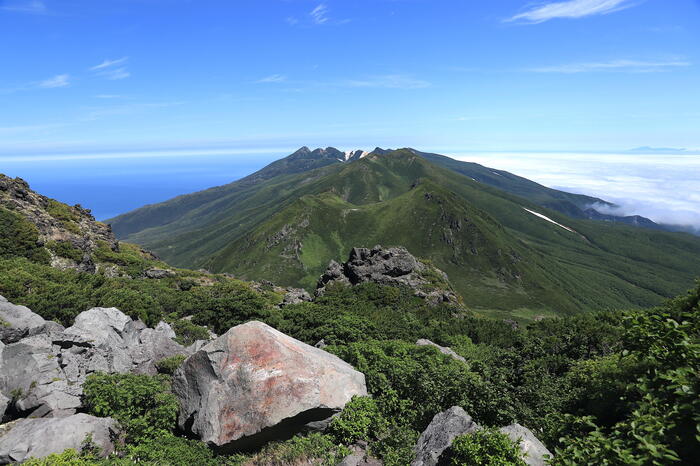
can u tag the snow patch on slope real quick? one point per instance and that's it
(544, 217)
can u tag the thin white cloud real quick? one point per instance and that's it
(630, 66)
(34, 7)
(389, 81)
(319, 15)
(60, 80)
(109, 64)
(273, 78)
(570, 9)
(112, 69)
(291, 20)
(119, 73)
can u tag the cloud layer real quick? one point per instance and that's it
(664, 188)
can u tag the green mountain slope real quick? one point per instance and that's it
(501, 251)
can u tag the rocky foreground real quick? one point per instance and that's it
(238, 391)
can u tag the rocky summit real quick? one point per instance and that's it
(69, 233)
(254, 384)
(393, 266)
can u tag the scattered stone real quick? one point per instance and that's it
(443, 349)
(536, 454)
(158, 274)
(295, 296)
(360, 457)
(38, 438)
(389, 266)
(440, 433)
(321, 344)
(254, 384)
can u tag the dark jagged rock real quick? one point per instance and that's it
(38, 438)
(440, 433)
(393, 266)
(254, 384)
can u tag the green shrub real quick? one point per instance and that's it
(186, 331)
(20, 238)
(169, 365)
(487, 447)
(317, 449)
(167, 449)
(65, 249)
(68, 457)
(359, 420)
(142, 404)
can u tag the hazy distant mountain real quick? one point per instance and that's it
(502, 249)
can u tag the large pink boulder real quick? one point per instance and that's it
(254, 384)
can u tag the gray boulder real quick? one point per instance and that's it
(32, 377)
(152, 345)
(443, 349)
(38, 438)
(535, 452)
(440, 433)
(16, 322)
(4, 403)
(254, 384)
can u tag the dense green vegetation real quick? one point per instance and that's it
(610, 387)
(500, 258)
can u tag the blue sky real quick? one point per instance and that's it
(136, 79)
(505, 75)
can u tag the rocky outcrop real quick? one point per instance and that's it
(389, 266)
(72, 227)
(42, 374)
(440, 433)
(536, 453)
(443, 349)
(254, 383)
(38, 438)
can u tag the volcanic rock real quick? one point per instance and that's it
(389, 266)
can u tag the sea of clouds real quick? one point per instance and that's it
(662, 187)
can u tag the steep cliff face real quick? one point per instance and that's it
(48, 231)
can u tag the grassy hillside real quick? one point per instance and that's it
(502, 259)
